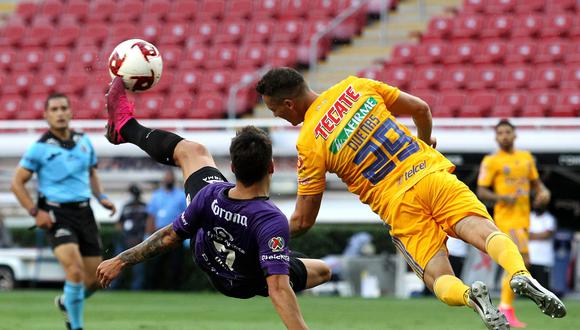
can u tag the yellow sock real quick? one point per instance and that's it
(450, 290)
(504, 251)
(507, 295)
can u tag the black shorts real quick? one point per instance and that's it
(75, 225)
(201, 178)
(244, 289)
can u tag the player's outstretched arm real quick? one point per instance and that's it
(407, 104)
(305, 213)
(285, 302)
(162, 240)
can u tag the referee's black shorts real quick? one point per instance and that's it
(75, 224)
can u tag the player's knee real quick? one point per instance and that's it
(191, 149)
(74, 272)
(325, 273)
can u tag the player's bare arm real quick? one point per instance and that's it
(285, 302)
(485, 193)
(98, 192)
(543, 194)
(21, 177)
(161, 241)
(305, 213)
(407, 104)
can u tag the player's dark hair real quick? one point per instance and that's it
(504, 122)
(281, 83)
(55, 96)
(251, 153)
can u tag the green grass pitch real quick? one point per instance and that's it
(34, 310)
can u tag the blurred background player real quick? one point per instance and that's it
(350, 130)
(505, 178)
(131, 226)
(166, 203)
(541, 245)
(65, 164)
(241, 238)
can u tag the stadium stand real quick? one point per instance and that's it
(197, 37)
(492, 58)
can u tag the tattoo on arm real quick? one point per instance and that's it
(161, 241)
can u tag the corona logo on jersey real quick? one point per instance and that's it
(336, 113)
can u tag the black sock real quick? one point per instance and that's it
(156, 143)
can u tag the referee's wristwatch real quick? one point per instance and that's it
(33, 211)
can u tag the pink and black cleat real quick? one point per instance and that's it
(119, 110)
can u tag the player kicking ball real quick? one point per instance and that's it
(239, 237)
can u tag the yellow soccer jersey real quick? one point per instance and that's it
(348, 130)
(510, 174)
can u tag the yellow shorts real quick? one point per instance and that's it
(423, 217)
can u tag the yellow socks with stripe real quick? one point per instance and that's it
(504, 251)
(507, 295)
(450, 290)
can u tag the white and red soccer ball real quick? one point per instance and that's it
(138, 63)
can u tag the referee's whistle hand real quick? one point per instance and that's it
(43, 220)
(109, 206)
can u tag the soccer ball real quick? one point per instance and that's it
(138, 62)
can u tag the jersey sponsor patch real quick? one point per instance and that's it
(276, 244)
(353, 124)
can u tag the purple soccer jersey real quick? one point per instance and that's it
(235, 240)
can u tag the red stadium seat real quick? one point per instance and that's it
(92, 107)
(573, 56)
(557, 6)
(552, 51)
(7, 57)
(267, 8)
(27, 9)
(208, 105)
(150, 105)
(455, 77)
(101, 10)
(500, 6)
(13, 32)
(120, 32)
(58, 58)
(127, 11)
(183, 11)
(427, 77)
(10, 105)
(221, 57)
(373, 73)
(252, 56)
(89, 57)
(542, 102)
(547, 77)
(18, 82)
(38, 34)
(288, 31)
(521, 51)
(260, 30)
(94, 33)
(510, 104)
(151, 30)
(439, 28)
(492, 51)
(571, 79)
(32, 108)
(239, 9)
(461, 52)
(295, 8)
(29, 59)
(530, 6)
(474, 6)
(187, 80)
(479, 104)
(485, 77)
(498, 27)
(231, 32)
(172, 55)
(431, 52)
(178, 105)
(450, 103)
(65, 35)
(213, 9)
(74, 82)
(569, 105)
(217, 80)
(557, 25)
(155, 10)
(52, 8)
(517, 76)
(323, 7)
(282, 55)
(194, 57)
(399, 76)
(204, 30)
(77, 9)
(467, 27)
(528, 26)
(404, 54)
